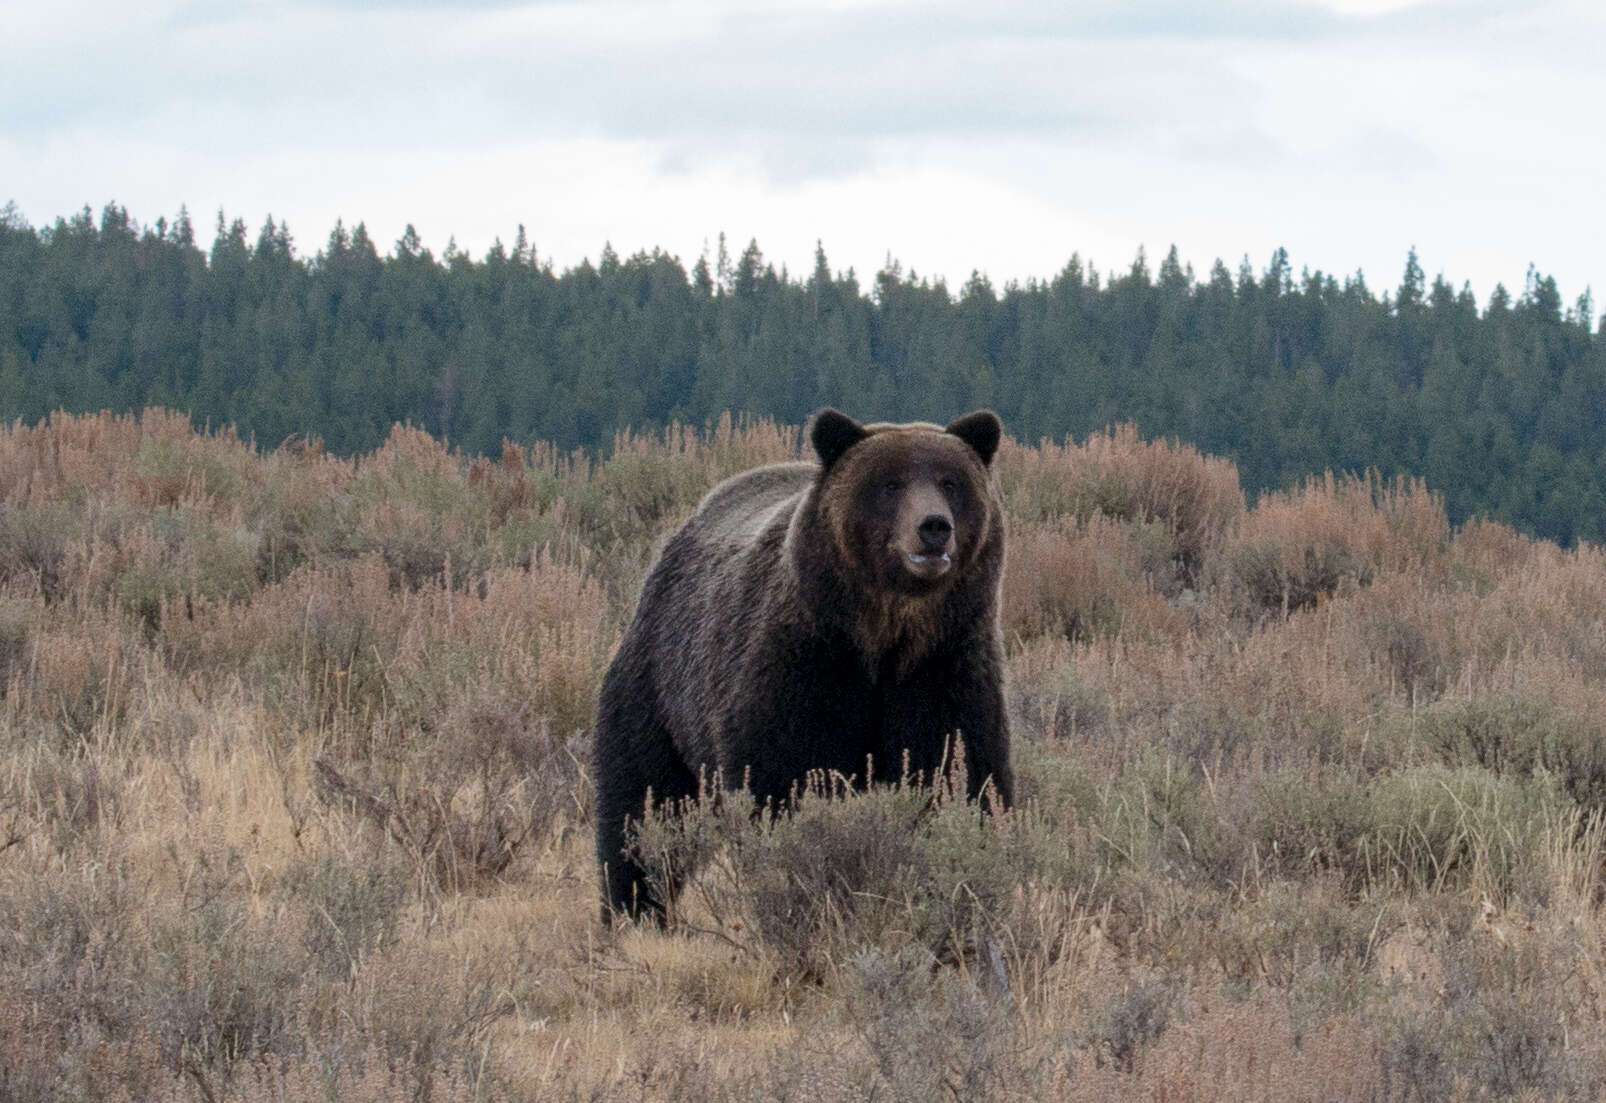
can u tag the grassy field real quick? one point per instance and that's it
(294, 797)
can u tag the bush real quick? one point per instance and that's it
(1050, 700)
(929, 1033)
(1299, 823)
(1131, 1021)
(1155, 817)
(1433, 827)
(1086, 578)
(1190, 497)
(1354, 851)
(353, 908)
(34, 544)
(837, 869)
(1514, 734)
(1295, 547)
(1501, 1026)
(72, 977)
(79, 679)
(1418, 829)
(225, 990)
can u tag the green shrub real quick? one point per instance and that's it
(225, 989)
(353, 907)
(1131, 1021)
(837, 869)
(180, 465)
(16, 618)
(1298, 823)
(1511, 733)
(74, 975)
(1154, 817)
(929, 1034)
(34, 544)
(1501, 1027)
(1433, 827)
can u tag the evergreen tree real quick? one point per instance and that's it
(1499, 409)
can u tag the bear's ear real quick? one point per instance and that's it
(981, 431)
(832, 434)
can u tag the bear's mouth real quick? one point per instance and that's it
(928, 566)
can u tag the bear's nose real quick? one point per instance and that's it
(934, 532)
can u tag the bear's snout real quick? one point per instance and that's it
(934, 533)
(928, 543)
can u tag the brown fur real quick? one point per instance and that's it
(839, 616)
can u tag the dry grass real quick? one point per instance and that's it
(294, 805)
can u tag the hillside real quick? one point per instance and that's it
(293, 795)
(1288, 374)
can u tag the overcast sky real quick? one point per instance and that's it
(999, 135)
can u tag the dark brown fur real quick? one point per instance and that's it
(813, 616)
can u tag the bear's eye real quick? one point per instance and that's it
(950, 485)
(891, 486)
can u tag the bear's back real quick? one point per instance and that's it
(700, 608)
(735, 512)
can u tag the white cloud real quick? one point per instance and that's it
(955, 137)
(1371, 7)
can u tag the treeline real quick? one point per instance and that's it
(1503, 410)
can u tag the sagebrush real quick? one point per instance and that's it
(294, 798)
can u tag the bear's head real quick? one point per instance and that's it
(910, 508)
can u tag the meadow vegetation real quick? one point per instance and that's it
(294, 799)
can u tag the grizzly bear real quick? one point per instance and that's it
(839, 616)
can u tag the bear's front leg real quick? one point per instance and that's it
(958, 692)
(815, 713)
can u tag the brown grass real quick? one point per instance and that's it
(294, 799)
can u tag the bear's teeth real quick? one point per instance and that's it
(922, 558)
